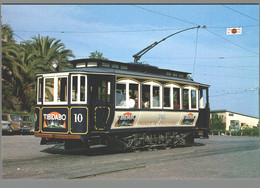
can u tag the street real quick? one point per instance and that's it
(217, 157)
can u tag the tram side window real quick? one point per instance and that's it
(156, 96)
(185, 104)
(49, 90)
(104, 91)
(78, 89)
(193, 99)
(146, 96)
(134, 96)
(167, 102)
(62, 90)
(121, 95)
(176, 98)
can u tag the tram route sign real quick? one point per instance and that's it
(55, 118)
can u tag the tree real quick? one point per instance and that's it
(97, 55)
(46, 50)
(217, 122)
(21, 63)
(7, 34)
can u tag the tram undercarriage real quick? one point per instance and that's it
(132, 142)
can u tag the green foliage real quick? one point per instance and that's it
(244, 132)
(250, 131)
(97, 55)
(217, 122)
(21, 62)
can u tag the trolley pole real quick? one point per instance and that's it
(138, 55)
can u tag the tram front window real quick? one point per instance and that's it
(49, 90)
(74, 88)
(55, 90)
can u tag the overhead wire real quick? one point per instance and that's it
(118, 31)
(162, 14)
(240, 13)
(230, 41)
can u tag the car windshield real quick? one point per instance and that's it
(4, 118)
(26, 118)
(16, 118)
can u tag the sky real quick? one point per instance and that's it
(228, 63)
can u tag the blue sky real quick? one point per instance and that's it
(229, 63)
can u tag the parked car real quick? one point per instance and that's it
(27, 124)
(6, 127)
(19, 123)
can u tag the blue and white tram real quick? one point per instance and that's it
(129, 105)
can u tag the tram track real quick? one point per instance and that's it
(80, 165)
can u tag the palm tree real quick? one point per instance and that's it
(47, 50)
(22, 62)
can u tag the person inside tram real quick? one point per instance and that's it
(146, 102)
(131, 102)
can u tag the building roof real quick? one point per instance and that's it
(224, 111)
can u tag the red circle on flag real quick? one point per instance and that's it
(234, 31)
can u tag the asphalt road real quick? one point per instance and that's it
(217, 157)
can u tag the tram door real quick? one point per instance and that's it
(101, 91)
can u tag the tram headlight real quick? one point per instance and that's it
(54, 64)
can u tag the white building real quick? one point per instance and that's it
(236, 121)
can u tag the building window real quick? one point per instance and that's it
(230, 114)
(234, 125)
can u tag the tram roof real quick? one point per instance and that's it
(129, 69)
(135, 70)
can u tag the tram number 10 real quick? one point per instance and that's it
(78, 118)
